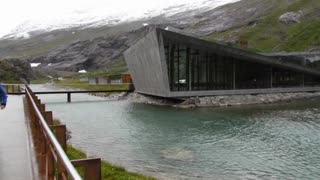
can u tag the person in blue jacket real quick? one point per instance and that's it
(3, 96)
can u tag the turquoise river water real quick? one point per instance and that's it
(279, 141)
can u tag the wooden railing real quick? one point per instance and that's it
(50, 143)
(80, 91)
(13, 88)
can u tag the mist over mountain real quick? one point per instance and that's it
(266, 25)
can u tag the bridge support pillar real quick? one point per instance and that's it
(69, 97)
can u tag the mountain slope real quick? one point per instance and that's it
(91, 54)
(267, 33)
(256, 21)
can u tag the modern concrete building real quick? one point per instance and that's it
(169, 64)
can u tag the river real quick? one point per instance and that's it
(279, 141)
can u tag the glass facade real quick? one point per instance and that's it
(196, 69)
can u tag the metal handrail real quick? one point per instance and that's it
(64, 158)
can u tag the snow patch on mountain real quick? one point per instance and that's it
(102, 15)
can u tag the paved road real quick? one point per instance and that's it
(15, 149)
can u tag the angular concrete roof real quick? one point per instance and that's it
(239, 54)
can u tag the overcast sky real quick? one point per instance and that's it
(16, 12)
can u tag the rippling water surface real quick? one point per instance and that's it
(255, 142)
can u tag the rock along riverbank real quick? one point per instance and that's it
(221, 101)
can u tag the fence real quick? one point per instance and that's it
(51, 149)
(12, 88)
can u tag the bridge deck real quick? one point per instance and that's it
(16, 155)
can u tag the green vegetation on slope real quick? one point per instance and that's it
(118, 67)
(269, 34)
(15, 71)
(303, 36)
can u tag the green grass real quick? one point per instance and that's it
(118, 67)
(74, 153)
(271, 35)
(108, 171)
(75, 83)
(40, 81)
(303, 35)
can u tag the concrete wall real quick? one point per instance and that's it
(146, 66)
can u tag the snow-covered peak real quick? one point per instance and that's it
(100, 12)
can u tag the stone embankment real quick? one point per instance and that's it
(222, 101)
(145, 99)
(112, 96)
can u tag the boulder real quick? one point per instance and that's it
(291, 18)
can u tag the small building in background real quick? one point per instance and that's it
(84, 79)
(92, 81)
(102, 80)
(126, 78)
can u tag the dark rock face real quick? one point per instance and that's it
(90, 54)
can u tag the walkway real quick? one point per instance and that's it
(15, 149)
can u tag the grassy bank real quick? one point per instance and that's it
(40, 81)
(76, 83)
(108, 170)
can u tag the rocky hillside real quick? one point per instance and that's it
(91, 54)
(266, 26)
(292, 25)
(15, 70)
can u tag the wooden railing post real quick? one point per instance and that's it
(43, 155)
(49, 154)
(92, 168)
(60, 132)
(42, 142)
(42, 108)
(61, 170)
(61, 135)
(50, 163)
(49, 118)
